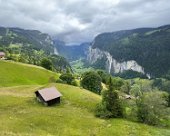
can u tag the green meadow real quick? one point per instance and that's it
(13, 74)
(22, 115)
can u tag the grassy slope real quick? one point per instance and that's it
(12, 74)
(21, 114)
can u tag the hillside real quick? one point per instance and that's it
(26, 38)
(30, 46)
(21, 114)
(149, 48)
(12, 74)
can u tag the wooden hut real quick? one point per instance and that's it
(2, 55)
(48, 96)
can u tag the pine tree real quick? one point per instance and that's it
(112, 102)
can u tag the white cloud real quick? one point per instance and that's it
(81, 20)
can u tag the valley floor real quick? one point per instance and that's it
(21, 114)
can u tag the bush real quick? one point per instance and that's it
(46, 63)
(68, 78)
(102, 112)
(117, 83)
(104, 76)
(151, 108)
(59, 81)
(74, 83)
(92, 82)
(126, 87)
(136, 90)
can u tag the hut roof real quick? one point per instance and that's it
(2, 54)
(49, 93)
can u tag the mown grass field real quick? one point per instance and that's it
(22, 115)
(12, 74)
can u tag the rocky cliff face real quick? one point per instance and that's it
(112, 65)
(149, 47)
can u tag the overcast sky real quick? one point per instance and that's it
(76, 21)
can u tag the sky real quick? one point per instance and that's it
(77, 21)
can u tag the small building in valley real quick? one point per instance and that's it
(2, 55)
(48, 96)
(128, 97)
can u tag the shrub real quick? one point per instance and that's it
(104, 76)
(102, 112)
(92, 82)
(136, 90)
(59, 81)
(126, 87)
(74, 83)
(151, 108)
(46, 63)
(117, 83)
(68, 78)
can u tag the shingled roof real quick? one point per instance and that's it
(49, 93)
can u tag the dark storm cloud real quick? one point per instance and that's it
(76, 21)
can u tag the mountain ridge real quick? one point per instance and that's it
(149, 47)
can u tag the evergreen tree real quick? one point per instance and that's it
(111, 106)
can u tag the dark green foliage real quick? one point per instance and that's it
(126, 87)
(113, 103)
(169, 100)
(129, 74)
(30, 46)
(162, 84)
(74, 83)
(151, 108)
(102, 112)
(167, 76)
(68, 70)
(27, 38)
(100, 64)
(116, 82)
(166, 86)
(111, 106)
(67, 78)
(92, 82)
(166, 96)
(136, 90)
(149, 47)
(104, 76)
(46, 63)
(59, 63)
(60, 81)
(157, 83)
